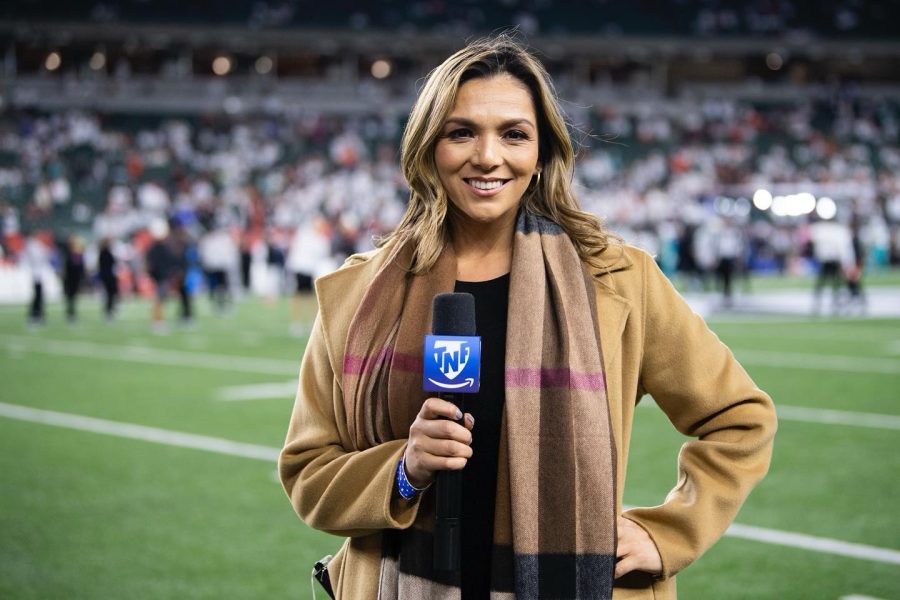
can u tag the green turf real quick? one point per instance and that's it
(87, 515)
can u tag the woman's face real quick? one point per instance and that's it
(487, 152)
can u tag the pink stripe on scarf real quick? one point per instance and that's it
(547, 378)
(357, 365)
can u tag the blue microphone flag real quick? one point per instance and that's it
(452, 364)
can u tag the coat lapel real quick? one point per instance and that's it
(612, 315)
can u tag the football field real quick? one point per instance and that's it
(135, 465)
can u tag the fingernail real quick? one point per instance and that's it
(471, 420)
(458, 414)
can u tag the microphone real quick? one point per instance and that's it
(452, 368)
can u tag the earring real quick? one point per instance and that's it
(538, 179)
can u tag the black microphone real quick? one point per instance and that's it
(452, 368)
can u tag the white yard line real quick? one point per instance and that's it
(222, 446)
(143, 354)
(818, 362)
(825, 416)
(814, 543)
(260, 391)
(139, 432)
(837, 417)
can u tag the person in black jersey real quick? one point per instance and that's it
(576, 327)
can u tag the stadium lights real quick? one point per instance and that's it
(793, 205)
(762, 199)
(381, 68)
(53, 61)
(826, 208)
(98, 61)
(264, 65)
(221, 65)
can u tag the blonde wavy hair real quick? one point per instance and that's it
(550, 195)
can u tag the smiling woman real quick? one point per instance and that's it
(576, 327)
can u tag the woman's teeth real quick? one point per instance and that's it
(486, 185)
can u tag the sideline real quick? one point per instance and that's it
(222, 446)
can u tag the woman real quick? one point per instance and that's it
(576, 328)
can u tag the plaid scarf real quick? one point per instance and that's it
(554, 525)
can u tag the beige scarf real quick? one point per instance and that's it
(554, 526)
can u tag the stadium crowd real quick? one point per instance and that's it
(239, 193)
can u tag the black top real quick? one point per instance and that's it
(480, 475)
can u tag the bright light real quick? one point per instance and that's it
(98, 61)
(793, 205)
(53, 61)
(762, 199)
(221, 65)
(264, 65)
(780, 206)
(806, 203)
(381, 69)
(774, 61)
(826, 208)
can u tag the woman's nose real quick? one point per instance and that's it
(487, 153)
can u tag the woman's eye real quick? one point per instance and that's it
(516, 134)
(456, 134)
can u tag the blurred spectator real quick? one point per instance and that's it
(36, 258)
(184, 254)
(855, 273)
(73, 274)
(729, 248)
(161, 266)
(219, 259)
(832, 248)
(309, 256)
(106, 272)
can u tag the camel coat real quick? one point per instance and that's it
(652, 343)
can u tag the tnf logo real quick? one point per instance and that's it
(451, 357)
(452, 363)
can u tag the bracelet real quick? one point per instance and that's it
(407, 490)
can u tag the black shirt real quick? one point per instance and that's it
(479, 478)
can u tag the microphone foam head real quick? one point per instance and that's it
(453, 314)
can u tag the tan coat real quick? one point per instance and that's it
(652, 343)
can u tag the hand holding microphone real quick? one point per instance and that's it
(438, 440)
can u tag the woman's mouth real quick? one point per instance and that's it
(486, 187)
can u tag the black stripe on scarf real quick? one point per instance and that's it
(570, 576)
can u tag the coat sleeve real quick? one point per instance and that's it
(697, 382)
(334, 489)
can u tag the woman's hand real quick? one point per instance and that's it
(436, 443)
(635, 551)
